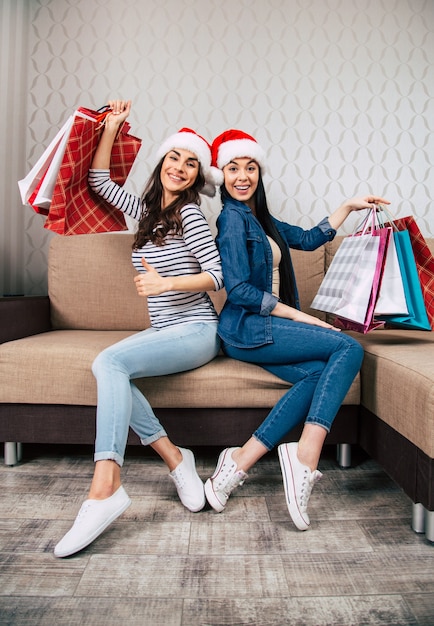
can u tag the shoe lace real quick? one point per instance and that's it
(179, 479)
(82, 512)
(309, 479)
(237, 479)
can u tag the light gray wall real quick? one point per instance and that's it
(338, 92)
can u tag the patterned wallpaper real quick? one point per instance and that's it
(338, 92)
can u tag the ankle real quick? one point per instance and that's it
(178, 458)
(307, 458)
(102, 492)
(106, 480)
(174, 460)
(310, 445)
(168, 451)
(237, 457)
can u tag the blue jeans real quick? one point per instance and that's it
(148, 353)
(319, 362)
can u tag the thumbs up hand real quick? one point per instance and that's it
(150, 282)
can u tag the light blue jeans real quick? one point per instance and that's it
(148, 353)
(321, 363)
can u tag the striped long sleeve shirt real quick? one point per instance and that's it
(191, 252)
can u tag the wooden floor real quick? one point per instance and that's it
(159, 564)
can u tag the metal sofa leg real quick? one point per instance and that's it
(418, 517)
(344, 454)
(422, 521)
(429, 525)
(13, 452)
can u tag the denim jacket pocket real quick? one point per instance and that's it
(255, 249)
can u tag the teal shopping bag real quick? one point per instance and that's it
(417, 318)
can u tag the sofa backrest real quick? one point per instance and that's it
(90, 282)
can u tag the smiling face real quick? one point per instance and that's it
(179, 171)
(241, 180)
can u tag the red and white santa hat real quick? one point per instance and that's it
(236, 144)
(188, 139)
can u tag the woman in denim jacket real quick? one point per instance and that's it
(261, 323)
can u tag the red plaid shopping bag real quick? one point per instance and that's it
(32, 200)
(74, 208)
(424, 262)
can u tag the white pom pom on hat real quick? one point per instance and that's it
(188, 139)
(236, 144)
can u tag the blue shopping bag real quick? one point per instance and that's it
(417, 318)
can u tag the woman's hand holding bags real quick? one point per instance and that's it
(383, 273)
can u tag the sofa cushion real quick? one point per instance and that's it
(222, 383)
(91, 283)
(330, 250)
(309, 274)
(55, 368)
(398, 382)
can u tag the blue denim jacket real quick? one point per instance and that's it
(247, 263)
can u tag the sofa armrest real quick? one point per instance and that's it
(23, 316)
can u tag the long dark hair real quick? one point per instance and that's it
(263, 215)
(154, 223)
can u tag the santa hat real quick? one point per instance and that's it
(187, 139)
(236, 144)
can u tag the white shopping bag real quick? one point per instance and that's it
(335, 289)
(45, 191)
(356, 294)
(391, 300)
(28, 184)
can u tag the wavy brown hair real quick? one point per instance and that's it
(154, 223)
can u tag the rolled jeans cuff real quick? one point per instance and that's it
(317, 421)
(109, 456)
(148, 440)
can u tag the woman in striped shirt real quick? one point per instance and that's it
(177, 263)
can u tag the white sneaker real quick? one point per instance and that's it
(188, 483)
(93, 518)
(225, 479)
(298, 482)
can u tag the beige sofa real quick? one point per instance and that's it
(48, 393)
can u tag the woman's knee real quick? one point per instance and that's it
(356, 349)
(101, 361)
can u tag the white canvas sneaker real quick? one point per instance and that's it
(188, 483)
(298, 482)
(225, 479)
(93, 518)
